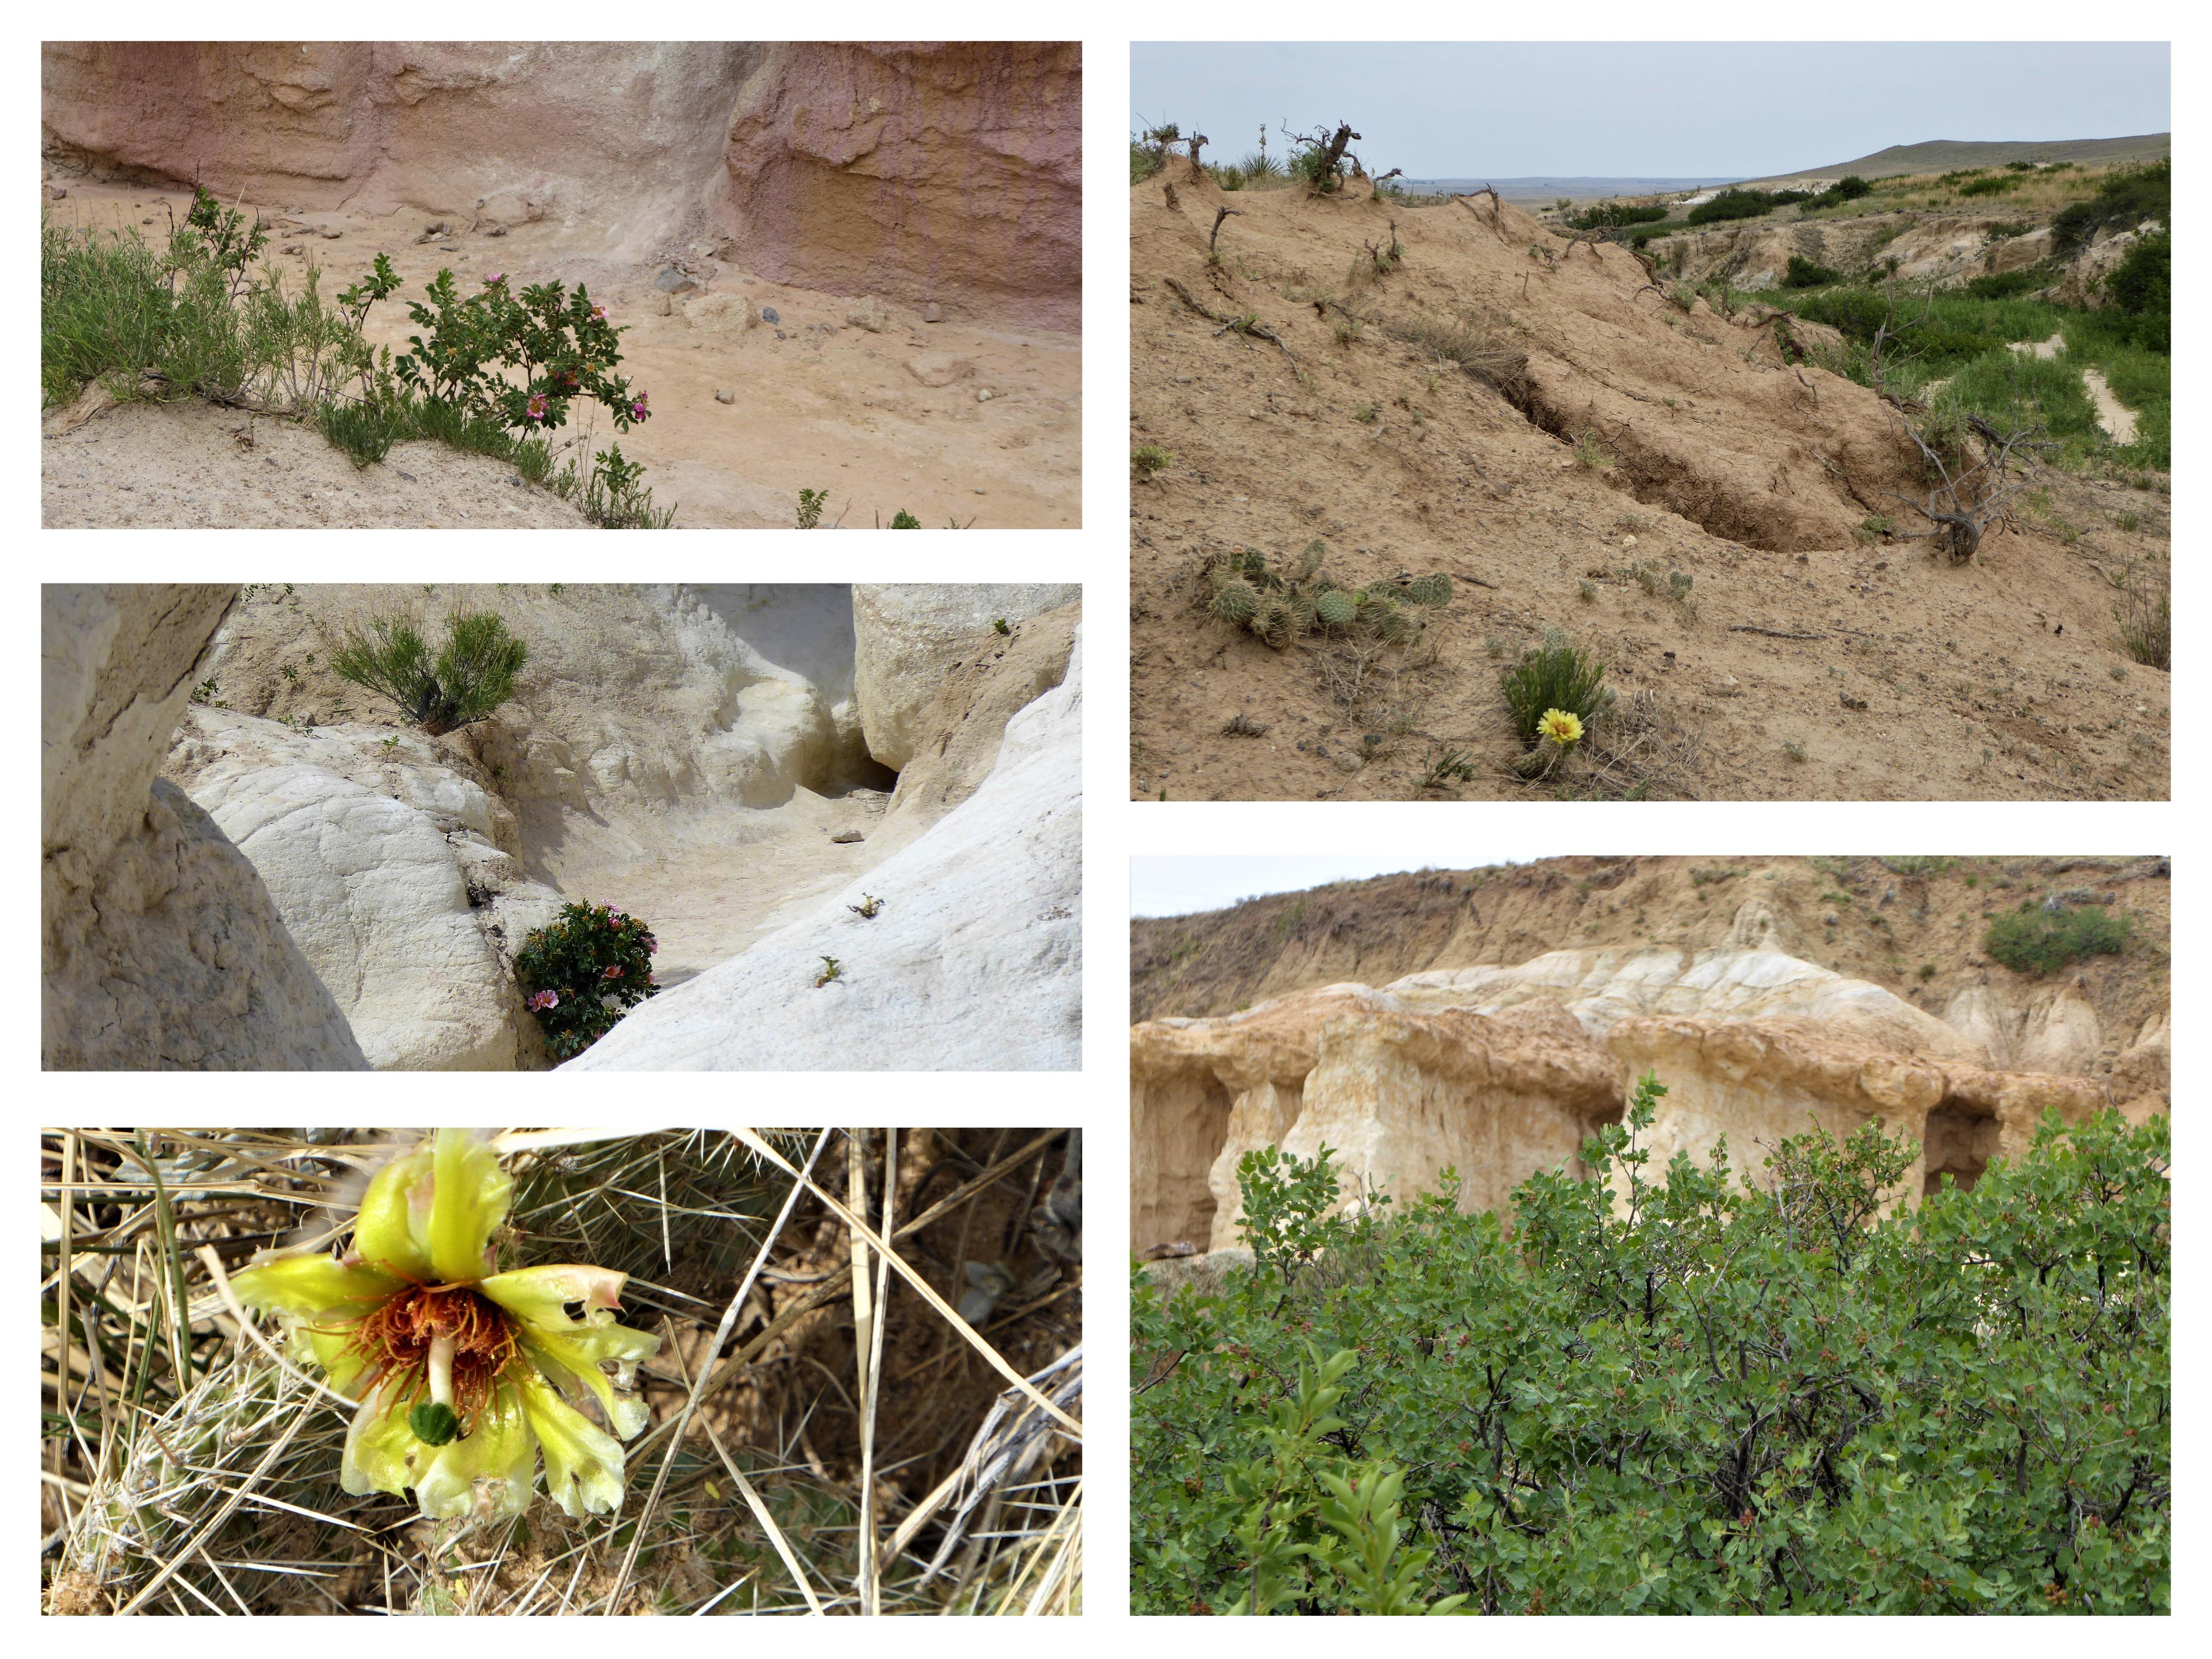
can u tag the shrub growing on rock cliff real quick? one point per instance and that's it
(583, 971)
(1683, 1395)
(465, 682)
(2041, 940)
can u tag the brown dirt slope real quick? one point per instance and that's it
(1719, 457)
(1883, 919)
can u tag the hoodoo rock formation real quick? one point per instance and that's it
(1498, 1071)
(920, 170)
(696, 755)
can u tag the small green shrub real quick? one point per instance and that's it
(903, 520)
(811, 503)
(584, 970)
(467, 679)
(2035, 939)
(1804, 273)
(1559, 676)
(1149, 458)
(614, 499)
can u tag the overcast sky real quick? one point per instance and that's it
(1179, 886)
(1517, 110)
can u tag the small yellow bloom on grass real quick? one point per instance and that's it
(463, 1375)
(1561, 727)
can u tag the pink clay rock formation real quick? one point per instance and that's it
(920, 171)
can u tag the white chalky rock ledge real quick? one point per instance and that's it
(973, 964)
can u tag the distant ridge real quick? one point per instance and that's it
(1949, 154)
(1548, 191)
(1934, 156)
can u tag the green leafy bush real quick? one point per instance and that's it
(1687, 1395)
(2042, 940)
(2142, 290)
(1612, 215)
(2123, 200)
(1805, 273)
(470, 677)
(1559, 676)
(1994, 184)
(518, 359)
(584, 970)
(1737, 203)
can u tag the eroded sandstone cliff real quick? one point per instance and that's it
(1498, 1071)
(918, 170)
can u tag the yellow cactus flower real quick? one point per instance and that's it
(464, 1375)
(1561, 727)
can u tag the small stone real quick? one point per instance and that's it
(845, 836)
(494, 230)
(294, 248)
(330, 232)
(929, 313)
(768, 314)
(58, 194)
(869, 313)
(723, 396)
(663, 306)
(1628, 541)
(983, 394)
(672, 281)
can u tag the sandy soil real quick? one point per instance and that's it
(1815, 660)
(772, 866)
(818, 404)
(181, 466)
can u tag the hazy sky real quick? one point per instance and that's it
(1522, 109)
(1178, 886)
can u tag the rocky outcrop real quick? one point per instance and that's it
(974, 961)
(160, 947)
(919, 170)
(643, 716)
(382, 865)
(908, 639)
(1500, 1071)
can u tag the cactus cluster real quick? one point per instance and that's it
(1286, 604)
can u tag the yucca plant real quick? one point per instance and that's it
(463, 683)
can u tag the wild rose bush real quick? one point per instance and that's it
(520, 359)
(583, 971)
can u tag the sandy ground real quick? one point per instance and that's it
(817, 403)
(180, 466)
(1816, 659)
(711, 900)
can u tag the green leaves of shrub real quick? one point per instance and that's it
(2032, 940)
(468, 678)
(560, 345)
(583, 971)
(1687, 1395)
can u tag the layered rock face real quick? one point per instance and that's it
(917, 170)
(160, 945)
(974, 961)
(1501, 1072)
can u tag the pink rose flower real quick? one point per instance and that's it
(545, 999)
(652, 946)
(494, 279)
(612, 972)
(536, 409)
(598, 313)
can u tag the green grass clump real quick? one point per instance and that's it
(1149, 458)
(104, 313)
(2030, 940)
(1559, 676)
(467, 679)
